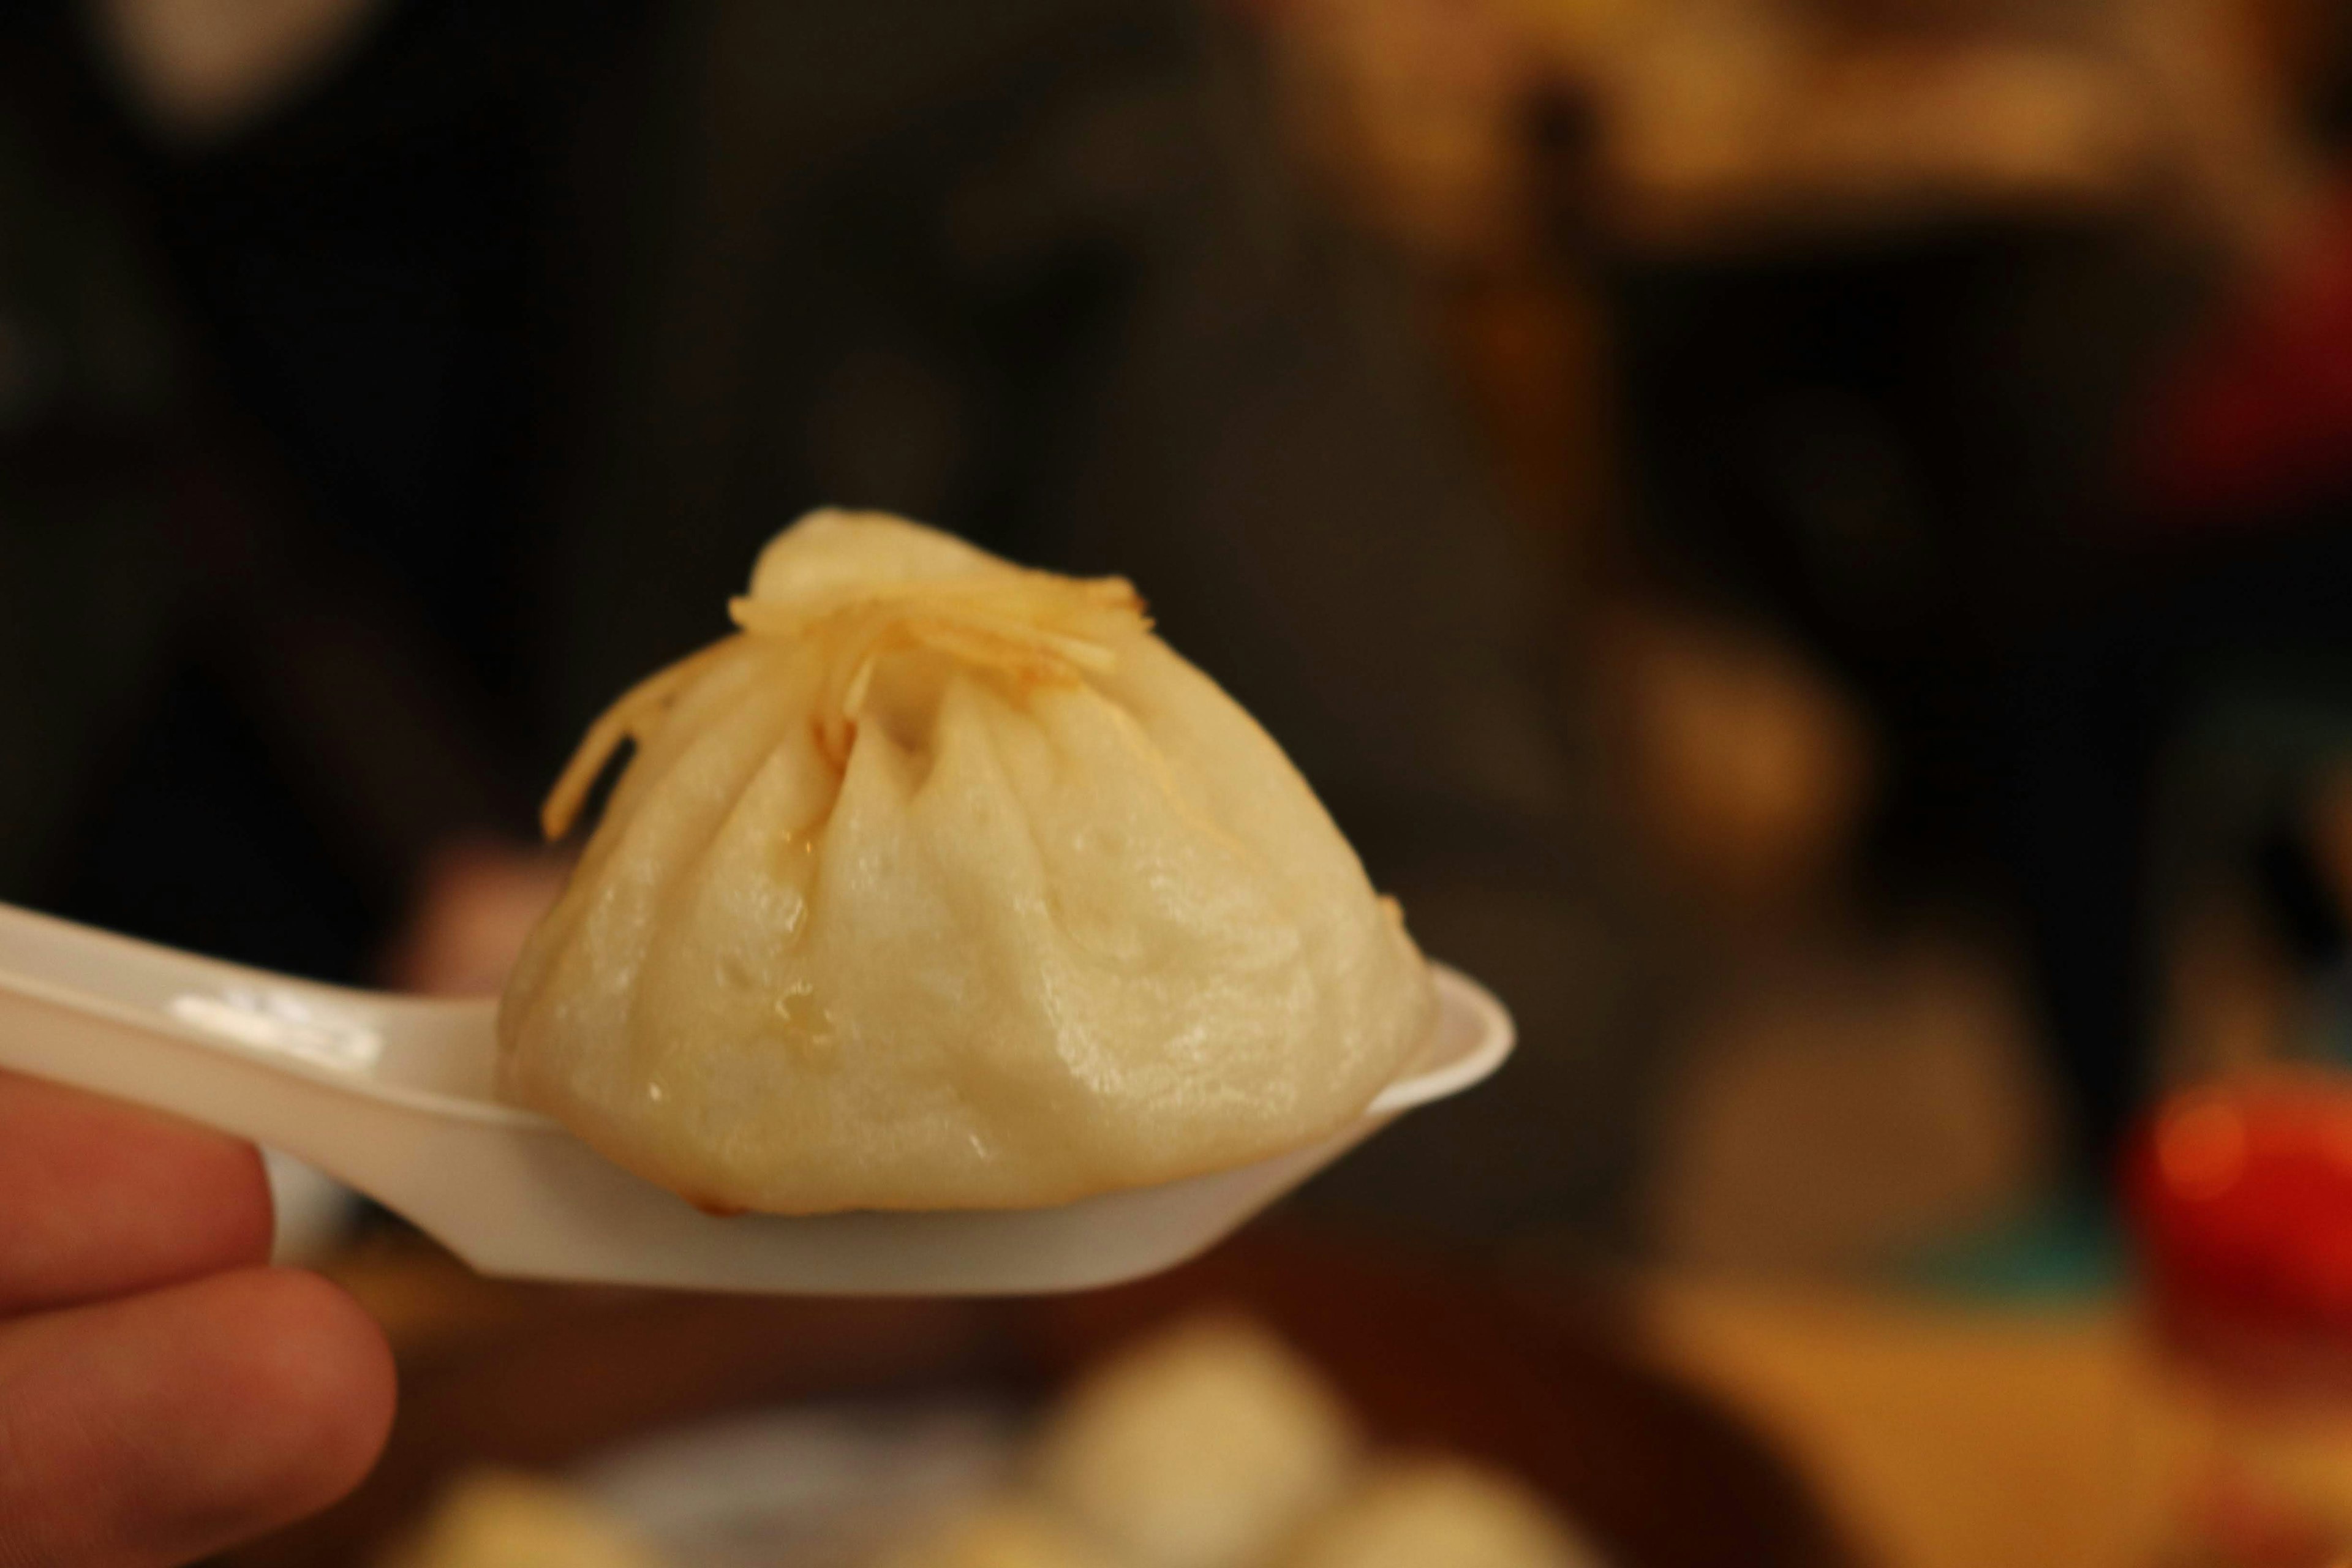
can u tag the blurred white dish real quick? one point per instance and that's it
(821, 1486)
(313, 1208)
(394, 1095)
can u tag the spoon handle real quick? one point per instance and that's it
(82, 966)
(258, 1055)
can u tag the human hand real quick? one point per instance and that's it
(164, 1393)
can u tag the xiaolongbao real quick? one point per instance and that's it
(1417, 1512)
(1007, 1533)
(945, 884)
(1205, 1446)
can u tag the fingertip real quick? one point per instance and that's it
(223, 1180)
(319, 1379)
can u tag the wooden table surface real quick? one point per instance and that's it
(1550, 1381)
(1938, 1436)
(1821, 1424)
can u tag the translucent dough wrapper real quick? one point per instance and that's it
(945, 884)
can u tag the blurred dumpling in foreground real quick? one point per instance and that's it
(1418, 1513)
(1206, 1448)
(1007, 1534)
(494, 1519)
(945, 884)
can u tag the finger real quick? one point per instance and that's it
(157, 1429)
(99, 1199)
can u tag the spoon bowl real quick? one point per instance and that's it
(395, 1096)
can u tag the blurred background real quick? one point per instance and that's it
(1810, 542)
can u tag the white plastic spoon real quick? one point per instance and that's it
(394, 1095)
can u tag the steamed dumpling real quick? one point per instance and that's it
(494, 1519)
(1416, 1513)
(1006, 1535)
(946, 884)
(1206, 1446)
